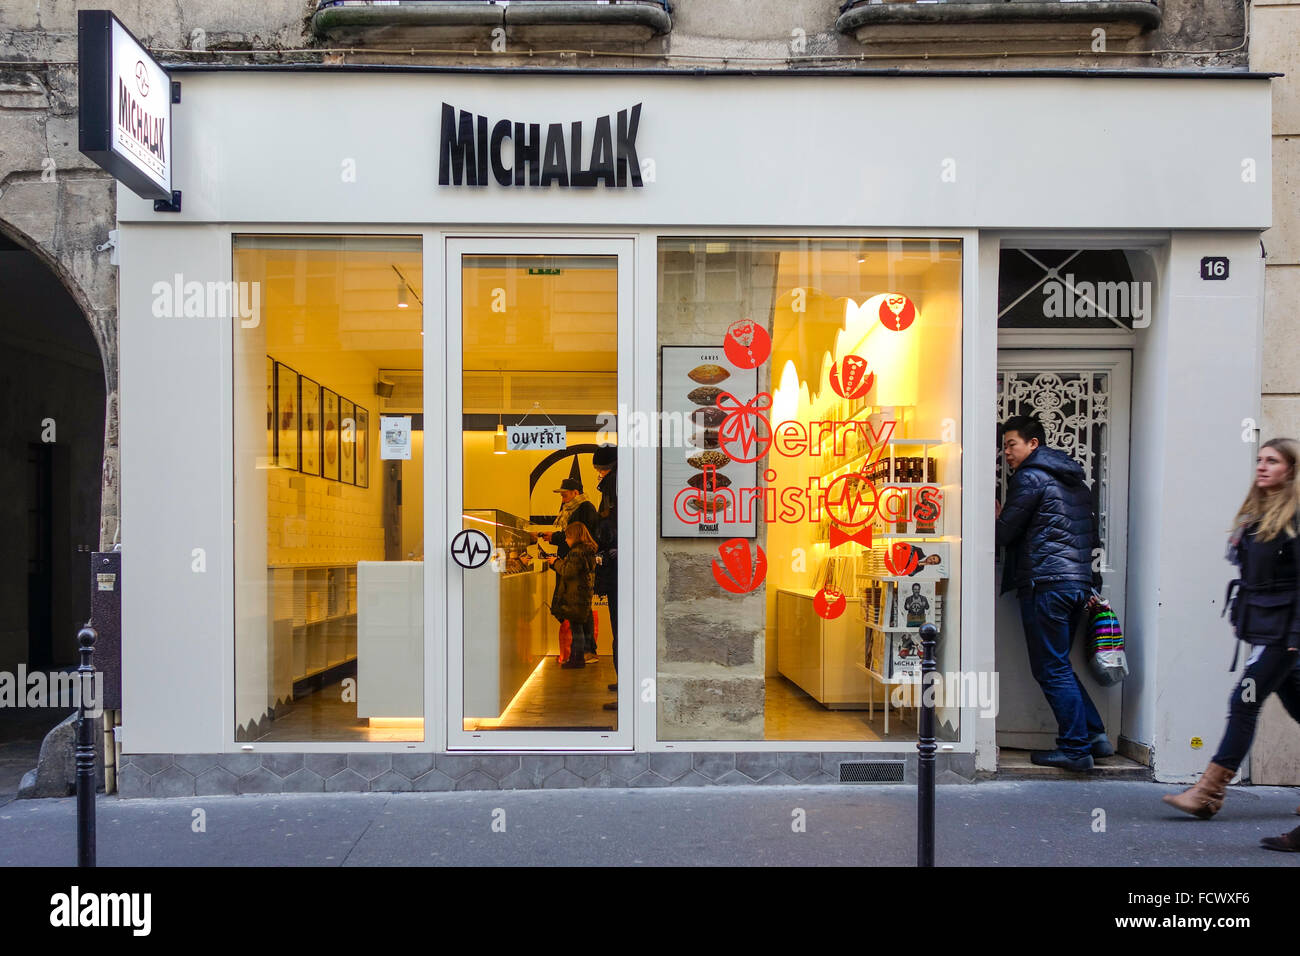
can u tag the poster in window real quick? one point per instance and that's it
(309, 393)
(714, 431)
(286, 404)
(329, 413)
(347, 441)
(363, 448)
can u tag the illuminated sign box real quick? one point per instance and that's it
(125, 110)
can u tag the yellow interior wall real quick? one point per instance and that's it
(412, 548)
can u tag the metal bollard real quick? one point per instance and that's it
(85, 754)
(926, 748)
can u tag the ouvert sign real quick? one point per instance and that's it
(467, 150)
(125, 106)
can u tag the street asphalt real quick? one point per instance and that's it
(996, 823)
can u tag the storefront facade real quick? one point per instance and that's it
(377, 251)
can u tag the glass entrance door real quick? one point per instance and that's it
(537, 368)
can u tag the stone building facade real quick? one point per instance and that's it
(58, 205)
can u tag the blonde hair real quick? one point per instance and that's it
(1275, 511)
(577, 534)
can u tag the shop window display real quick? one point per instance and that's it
(329, 518)
(809, 506)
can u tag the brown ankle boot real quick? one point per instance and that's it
(1287, 842)
(1205, 798)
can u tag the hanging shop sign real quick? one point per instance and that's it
(125, 108)
(470, 145)
(533, 437)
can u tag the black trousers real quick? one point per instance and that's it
(1275, 670)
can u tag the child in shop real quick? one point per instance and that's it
(572, 600)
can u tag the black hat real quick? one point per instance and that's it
(570, 484)
(606, 456)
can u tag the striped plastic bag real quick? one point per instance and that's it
(1108, 662)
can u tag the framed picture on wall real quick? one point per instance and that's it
(347, 441)
(363, 448)
(329, 455)
(309, 431)
(286, 405)
(270, 411)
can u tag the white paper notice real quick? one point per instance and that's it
(395, 437)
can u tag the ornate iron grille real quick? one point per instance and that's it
(1074, 409)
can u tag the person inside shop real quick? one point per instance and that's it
(572, 600)
(574, 507)
(1049, 529)
(605, 461)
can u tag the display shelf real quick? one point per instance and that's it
(846, 465)
(312, 622)
(874, 679)
(887, 681)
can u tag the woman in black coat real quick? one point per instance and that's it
(1265, 545)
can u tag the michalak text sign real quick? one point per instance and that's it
(472, 148)
(125, 106)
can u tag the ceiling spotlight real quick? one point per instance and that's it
(401, 296)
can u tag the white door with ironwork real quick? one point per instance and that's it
(1082, 399)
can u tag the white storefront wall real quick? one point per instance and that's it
(1180, 165)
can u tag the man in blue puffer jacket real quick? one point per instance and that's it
(1049, 529)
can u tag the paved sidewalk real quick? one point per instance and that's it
(1043, 823)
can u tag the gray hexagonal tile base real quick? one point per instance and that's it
(179, 775)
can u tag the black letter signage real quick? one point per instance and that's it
(467, 151)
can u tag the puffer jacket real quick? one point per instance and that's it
(1048, 524)
(572, 598)
(1262, 601)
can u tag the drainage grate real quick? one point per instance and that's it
(872, 771)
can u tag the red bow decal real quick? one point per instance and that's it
(838, 537)
(738, 426)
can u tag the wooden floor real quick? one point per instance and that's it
(793, 715)
(557, 699)
(324, 716)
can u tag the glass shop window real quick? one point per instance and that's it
(809, 500)
(329, 516)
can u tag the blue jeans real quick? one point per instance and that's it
(1050, 618)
